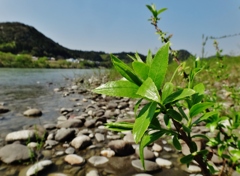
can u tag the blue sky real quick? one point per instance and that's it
(115, 26)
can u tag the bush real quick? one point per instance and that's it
(183, 107)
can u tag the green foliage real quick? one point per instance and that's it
(183, 106)
(11, 60)
(43, 62)
(7, 46)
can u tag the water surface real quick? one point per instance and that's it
(21, 89)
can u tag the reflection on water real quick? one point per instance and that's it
(21, 89)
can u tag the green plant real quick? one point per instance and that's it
(183, 108)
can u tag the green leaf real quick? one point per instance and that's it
(167, 90)
(199, 108)
(212, 142)
(205, 116)
(143, 120)
(125, 70)
(235, 155)
(138, 57)
(148, 90)
(152, 8)
(199, 88)
(178, 95)
(120, 126)
(137, 106)
(166, 119)
(238, 168)
(161, 10)
(221, 149)
(211, 168)
(212, 126)
(182, 112)
(196, 98)
(186, 159)
(121, 88)
(193, 147)
(141, 69)
(155, 125)
(149, 58)
(176, 143)
(226, 156)
(203, 152)
(174, 114)
(133, 58)
(186, 129)
(146, 140)
(159, 66)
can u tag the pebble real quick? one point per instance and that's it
(163, 162)
(3, 109)
(32, 145)
(121, 148)
(97, 160)
(107, 153)
(14, 152)
(81, 142)
(57, 174)
(99, 137)
(150, 166)
(156, 147)
(167, 149)
(32, 112)
(39, 166)
(71, 123)
(148, 154)
(59, 153)
(92, 172)
(64, 134)
(70, 150)
(20, 135)
(191, 169)
(74, 159)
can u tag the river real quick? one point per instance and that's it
(21, 89)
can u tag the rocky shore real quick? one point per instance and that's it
(78, 144)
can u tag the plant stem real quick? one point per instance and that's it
(165, 40)
(198, 158)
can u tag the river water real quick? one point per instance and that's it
(21, 89)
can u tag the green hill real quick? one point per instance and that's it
(18, 38)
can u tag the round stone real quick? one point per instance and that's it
(32, 112)
(41, 165)
(156, 147)
(98, 160)
(191, 169)
(74, 159)
(81, 142)
(149, 165)
(107, 153)
(163, 162)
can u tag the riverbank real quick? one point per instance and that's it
(77, 143)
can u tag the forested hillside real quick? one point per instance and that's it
(18, 38)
